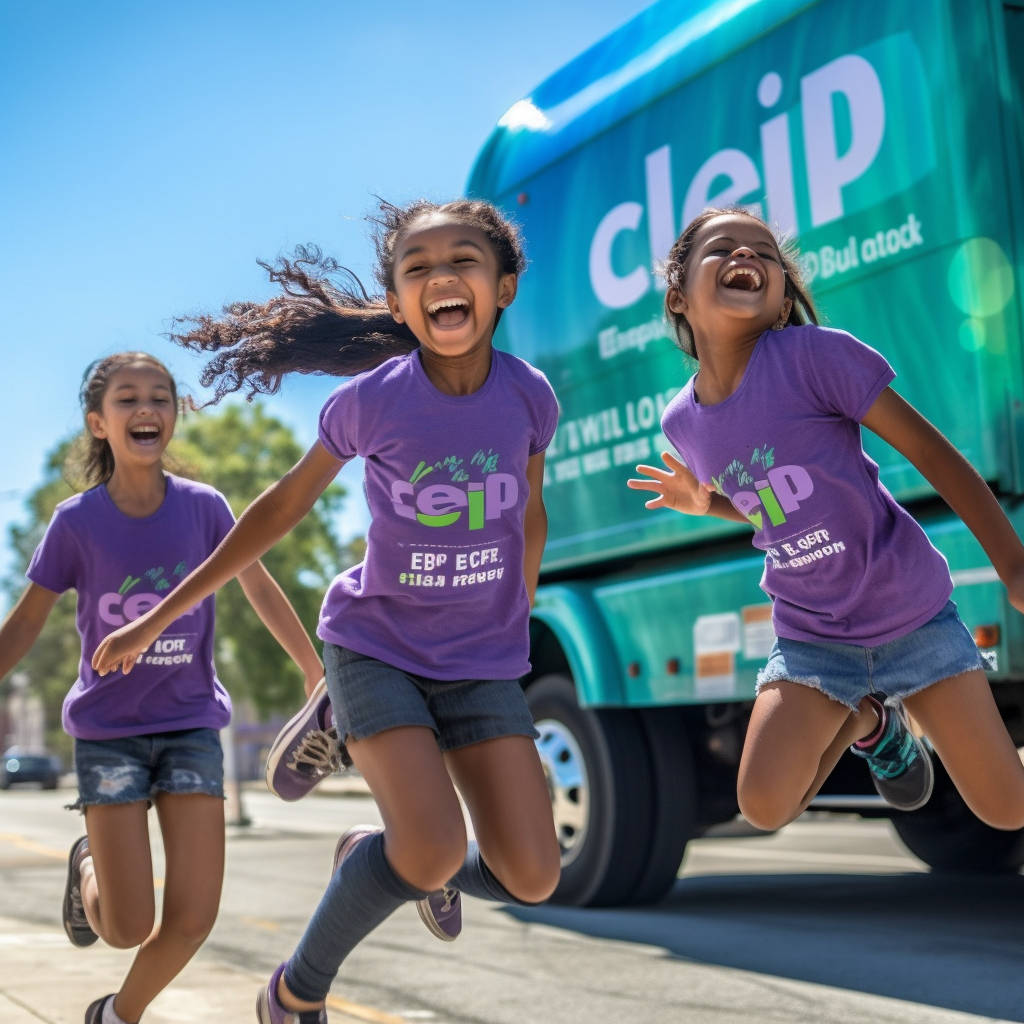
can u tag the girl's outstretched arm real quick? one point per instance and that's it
(958, 483)
(22, 627)
(278, 615)
(535, 524)
(677, 488)
(276, 511)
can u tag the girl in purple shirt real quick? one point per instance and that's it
(124, 544)
(424, 640)
(769, 429)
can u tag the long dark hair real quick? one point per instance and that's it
(325, 322)
(674, 271)
(90, 461)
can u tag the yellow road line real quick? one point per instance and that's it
(363, 1012)
(261, 922)
(27, 844)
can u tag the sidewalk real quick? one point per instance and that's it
(46, 980)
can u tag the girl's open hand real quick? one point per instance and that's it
(122, 648)
(677, 488)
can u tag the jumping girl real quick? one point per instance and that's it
(870, 628)
(424, 642)
(124, 545)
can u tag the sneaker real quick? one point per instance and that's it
(76, 924)
(348, 842)
(441, 911)
(306, 750)
(270, 1011)
(901, 767)
(94, 1015)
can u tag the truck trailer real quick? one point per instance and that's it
(887, 138)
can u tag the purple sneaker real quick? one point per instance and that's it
(347, 843)
(441, 911)
(306, 750)
(270, 1011)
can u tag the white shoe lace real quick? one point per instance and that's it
(318, 754)
(450, 896)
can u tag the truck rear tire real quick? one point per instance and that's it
(947, 836)
(599, 776)
(674, 818)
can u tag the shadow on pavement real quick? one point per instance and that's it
(949, 941)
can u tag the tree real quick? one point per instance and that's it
(240, 450)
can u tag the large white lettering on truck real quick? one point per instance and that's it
(730, 175)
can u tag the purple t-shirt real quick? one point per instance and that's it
(440, 592)
(843, 560)
(122, 567)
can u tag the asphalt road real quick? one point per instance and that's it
(829, 920)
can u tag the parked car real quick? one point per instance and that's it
(17, 767)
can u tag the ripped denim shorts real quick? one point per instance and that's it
(941, 648)
(133, 768)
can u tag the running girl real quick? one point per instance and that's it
(426, 639)
(871, 628)
(124, 545)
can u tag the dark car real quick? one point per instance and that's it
(29, 768)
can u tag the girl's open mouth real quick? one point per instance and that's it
(743, 278)
(449, 312)
(145, 433)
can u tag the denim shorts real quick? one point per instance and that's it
(941, 648)
(369, 696)
(132, 768)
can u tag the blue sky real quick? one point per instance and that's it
(152, 151)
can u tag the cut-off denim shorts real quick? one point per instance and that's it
(941, 648)
(369, 696)
(133, 768)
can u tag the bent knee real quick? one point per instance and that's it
(533, 877)
(764, 810)
(1005, 817)
(188, 929)
(429, 862)
(126, 931)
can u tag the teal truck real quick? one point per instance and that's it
(886, 135)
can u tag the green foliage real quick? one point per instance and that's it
(241, 451)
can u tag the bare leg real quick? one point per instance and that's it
(960, 718)
(504, 788)
(193, 833)
(424, 830)
(122, 870)
(795, 738)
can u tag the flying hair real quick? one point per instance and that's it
(325, 322)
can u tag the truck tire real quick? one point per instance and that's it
(674, 817)
(599, 776)
(947, 836)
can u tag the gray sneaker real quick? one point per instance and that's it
(441, 911)
(76, 924)
(94, 1014)
(900, 765)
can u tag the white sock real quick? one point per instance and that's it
(109, 1017)
(85, 869)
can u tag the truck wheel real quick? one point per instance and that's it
(947, 836)
(674, 816)
(598, 774)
